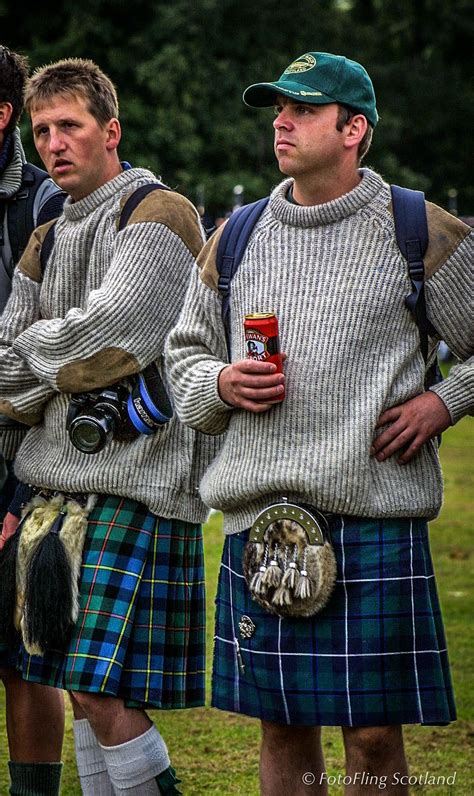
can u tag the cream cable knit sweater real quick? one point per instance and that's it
(102, 311)
(336, 279)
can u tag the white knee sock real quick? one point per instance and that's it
(133, 765)
(93, 774)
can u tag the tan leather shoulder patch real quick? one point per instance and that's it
(173, 210)
(6, 408)
(446, 232)
(99, 370)
(30, 263)
(207, 260)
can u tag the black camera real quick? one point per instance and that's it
(122, 411)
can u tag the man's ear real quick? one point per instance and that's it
(114, 134)
(6, 110)
(355, 130)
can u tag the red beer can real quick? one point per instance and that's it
(261, 339)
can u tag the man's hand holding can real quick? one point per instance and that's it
(252, 385)
(257, 382)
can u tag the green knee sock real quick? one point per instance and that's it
(35, 779)
(167, 782)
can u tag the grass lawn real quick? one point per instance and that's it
(217, 753)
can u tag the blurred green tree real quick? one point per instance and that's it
(180, 68)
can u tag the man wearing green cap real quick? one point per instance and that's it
(348, 429)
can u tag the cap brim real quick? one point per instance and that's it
(262, 95)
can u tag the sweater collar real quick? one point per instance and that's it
(329, 212)
(10, 178)
(74, 211)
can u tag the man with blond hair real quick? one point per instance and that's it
(89, 313)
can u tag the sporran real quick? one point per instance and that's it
(289, 562)
(43, 601)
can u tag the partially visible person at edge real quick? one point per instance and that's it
(354, 437)
(28, 197)
(97, 314)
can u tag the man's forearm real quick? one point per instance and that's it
(22, 395)
(123, 325)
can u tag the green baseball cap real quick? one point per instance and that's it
(319, 78)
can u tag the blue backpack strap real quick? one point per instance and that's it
(411, 228)
(52, 208)
(230, 250)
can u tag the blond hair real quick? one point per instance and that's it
(74, 77)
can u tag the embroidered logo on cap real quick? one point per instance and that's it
(301, 64)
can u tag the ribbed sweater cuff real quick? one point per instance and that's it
(210, 413)
(457, 394)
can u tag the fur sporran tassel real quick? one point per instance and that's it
(39, 516)
(282, 596)
(256, 585)
(273, 574)
(303, 587)
(51, 546)
(291, 576)
(48, 600)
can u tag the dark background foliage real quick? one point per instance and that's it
(181, 66)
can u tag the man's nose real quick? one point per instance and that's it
(56, 141)
(282, 120)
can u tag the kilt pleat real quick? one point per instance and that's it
(375, 655)
(140, 634)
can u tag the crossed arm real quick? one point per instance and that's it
(121, 328)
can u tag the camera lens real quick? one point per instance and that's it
(89, 434)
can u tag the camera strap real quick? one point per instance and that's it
(148, 405)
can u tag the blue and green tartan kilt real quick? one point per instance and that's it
(41, 669)
(375, 655)
(140, 635)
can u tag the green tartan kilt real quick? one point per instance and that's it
(140, 634)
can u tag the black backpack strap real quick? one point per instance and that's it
(230, 250)
(132, 202)
(46, 247)
(135, 198)
(3, 210)
(20, 209)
